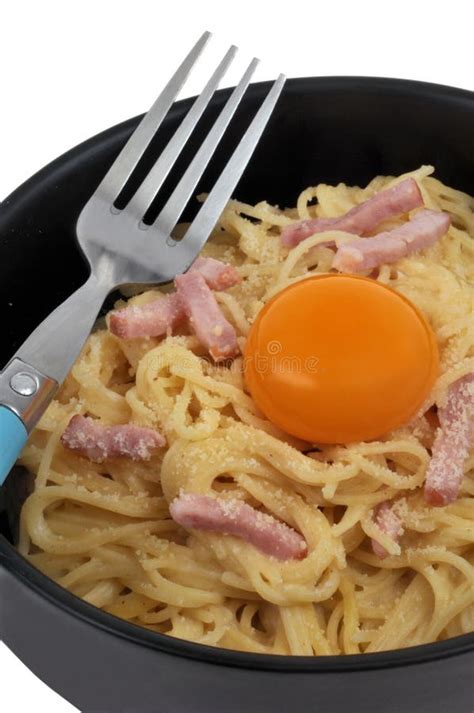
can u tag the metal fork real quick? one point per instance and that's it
(121, 249)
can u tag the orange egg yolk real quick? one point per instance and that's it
(340, 358)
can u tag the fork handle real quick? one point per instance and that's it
(13, 435)
(32, 377)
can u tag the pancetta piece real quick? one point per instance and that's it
(234, 517)
(218, 275)
(150, 320)
(166, 313)
(97, 442)
(212, 329)
(425, 228)
(363, 218)
(452, 443)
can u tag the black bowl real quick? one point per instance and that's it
(330, 129)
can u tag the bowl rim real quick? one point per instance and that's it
(44, 587)
(72, 605)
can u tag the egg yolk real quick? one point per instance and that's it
(340, 358)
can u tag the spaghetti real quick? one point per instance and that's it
(104, 531)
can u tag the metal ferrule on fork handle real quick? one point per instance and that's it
(24, 394)
(26, 391)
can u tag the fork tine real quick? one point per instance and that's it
(208, 215)
(173, 208)
(145, 194)
(128, 158)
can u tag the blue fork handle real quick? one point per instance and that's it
(13, 437)
(24, 395)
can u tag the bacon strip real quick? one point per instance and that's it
(96, 442)
(423, 230)
(157, 317)
(149, 320)
(389, 522)
(205, 316)
(218, 275)
(363, 218)
(452, 443)
(233, 517)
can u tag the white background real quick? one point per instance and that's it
(70, 69)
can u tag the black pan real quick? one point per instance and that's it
(330, 129)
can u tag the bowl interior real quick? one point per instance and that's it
(323, 130)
